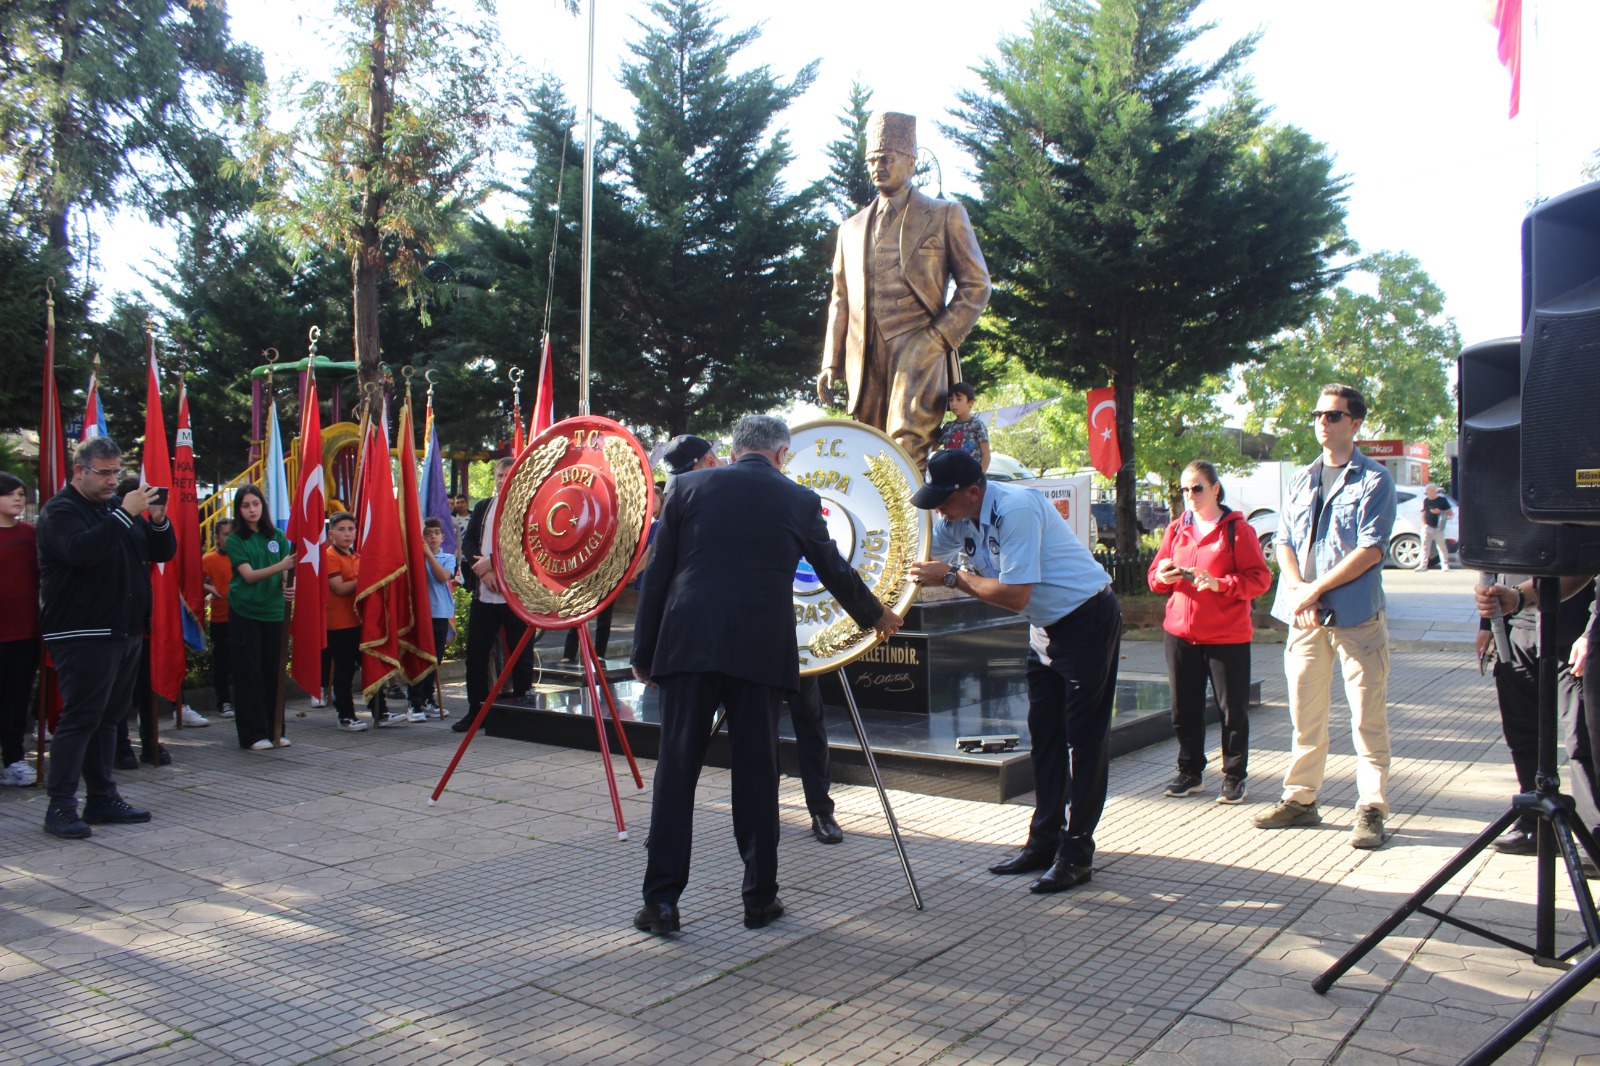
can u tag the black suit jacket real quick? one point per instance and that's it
(718, 594)
(472, 544)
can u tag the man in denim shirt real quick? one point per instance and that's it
(1335, 530)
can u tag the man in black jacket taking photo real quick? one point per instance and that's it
(94, 592)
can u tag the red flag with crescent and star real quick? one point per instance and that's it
(308, 520)
(1105, 452)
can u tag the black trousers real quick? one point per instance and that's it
(688, 704)
(344, 655)
(1069, 714)
(144, 705)
(811, 744)
(221, 663)
(19, 663)
(424, 690)
(486, 621)
(602, 635)
(1227, 666)
(257, 672)
(1516, 685)
(96, 678)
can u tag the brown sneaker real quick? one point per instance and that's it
(1368, 831)
(1285, 813)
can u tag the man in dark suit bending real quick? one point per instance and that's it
(715, 625)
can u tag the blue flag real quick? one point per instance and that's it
(435, 500)
(274, 478)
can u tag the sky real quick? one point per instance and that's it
(1408, 95)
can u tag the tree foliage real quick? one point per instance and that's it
(1132, 234)
(725, 267)
(107, 104)
(390, 152)
(1387, 336)
(848, 182)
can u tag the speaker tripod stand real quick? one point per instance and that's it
(1559, 830)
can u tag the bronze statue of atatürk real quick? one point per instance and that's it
(892, 337)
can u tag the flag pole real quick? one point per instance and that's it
(588, 224)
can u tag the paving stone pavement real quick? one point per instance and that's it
(306, 905)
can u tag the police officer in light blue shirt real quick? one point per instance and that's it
(1013, 550)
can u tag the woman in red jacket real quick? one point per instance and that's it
(1211, 563)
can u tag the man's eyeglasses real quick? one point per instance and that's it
(102, 473)
(1193, 490)
(1333, 418)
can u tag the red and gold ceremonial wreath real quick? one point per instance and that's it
(571, 523)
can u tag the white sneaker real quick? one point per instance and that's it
(353, 725)
(283, 742)
(318, 701)
(19, 775)
(417, 715)
(392, 718)
(262, 745)
(226, 712)
(192, 717)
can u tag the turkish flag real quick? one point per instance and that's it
(381, 579)
(1105, 452)
(53, 468)
(544, 401)
(308, 521)
(167, 659)
(417, 653)
(185, 515)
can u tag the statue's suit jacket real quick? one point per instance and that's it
(936, 245)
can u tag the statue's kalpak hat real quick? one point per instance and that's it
(890, 131)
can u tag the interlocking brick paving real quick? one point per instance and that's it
(306, 905)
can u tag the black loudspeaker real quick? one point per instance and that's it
(1492, 533)
(1561, 359)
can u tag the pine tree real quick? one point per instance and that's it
(720, 285)
(1131, 234)
(849, 185)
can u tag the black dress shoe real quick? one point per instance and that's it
(658, 918)
(1516, 841)
(161, 757)
(760, 917)
(826, 830)
(1025, 861)
(112, 810)
(1061, 877)
(126, 760)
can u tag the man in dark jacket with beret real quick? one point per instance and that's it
(94, 592)
(715, 625)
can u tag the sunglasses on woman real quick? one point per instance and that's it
(1194, 490)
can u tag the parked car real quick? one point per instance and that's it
(1151, 516)
(1405, 540)
(1004, 468)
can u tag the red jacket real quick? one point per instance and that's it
(1221, 617)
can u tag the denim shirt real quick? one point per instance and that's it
(1358, 513)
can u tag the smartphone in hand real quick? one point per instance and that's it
(156, 495)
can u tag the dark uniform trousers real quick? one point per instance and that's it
(1516, 686)
(688, 704)
(811, 744)
(1069, 716)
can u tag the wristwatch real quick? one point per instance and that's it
(950, 578)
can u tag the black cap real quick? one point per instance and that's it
(948, 471)
(685, 451)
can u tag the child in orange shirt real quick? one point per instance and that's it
(344, 626)
(217, 570)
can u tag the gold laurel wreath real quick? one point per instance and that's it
(584, 594)
(891, 484)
